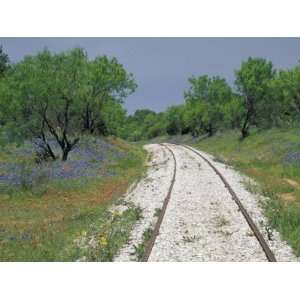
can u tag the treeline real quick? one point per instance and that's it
(60, 96)
(261, 97)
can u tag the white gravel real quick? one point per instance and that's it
(149, 195)
(202, 222)
(281, 250)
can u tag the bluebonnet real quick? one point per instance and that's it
(292, 158)
(85, 160)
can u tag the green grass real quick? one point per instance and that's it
(141, 248)
(260, 157)
(47, 226)
(106, 235)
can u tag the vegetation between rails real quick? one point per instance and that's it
(139, 250)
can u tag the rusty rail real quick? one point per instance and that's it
(155, 232)
(269, 254)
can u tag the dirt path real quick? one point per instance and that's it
(201, 222)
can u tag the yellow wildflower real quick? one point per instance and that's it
(115, 213)
(103, 241)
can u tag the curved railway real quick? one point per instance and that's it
(155, 232)
(150, 244)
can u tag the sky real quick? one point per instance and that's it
(162, 66)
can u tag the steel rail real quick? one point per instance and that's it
(268, 252)
(155, 233)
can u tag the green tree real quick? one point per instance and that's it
(143, 124)
(192, 117)
(44, 95)
(4, 67)
(233, 112)
(107, 81)
(4, 62)
(252, 81)
(174, 120)
(113, 116)
(157, 125)
(212, 94)
(285, 95)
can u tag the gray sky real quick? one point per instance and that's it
(161, 66)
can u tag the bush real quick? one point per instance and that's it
(33, 180)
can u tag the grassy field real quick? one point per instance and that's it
(272, 158)
(69, 218)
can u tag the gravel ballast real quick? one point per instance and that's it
(149, 195)
(281, 250)
(202, 222)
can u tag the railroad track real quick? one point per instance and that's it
(155, 232)
(265, 247)
(269, 254)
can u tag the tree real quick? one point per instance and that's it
(45, 96)
(210, 95)
(192, 117)
(174, 120)
(4, 67)
(4, 62)
(157, 126)
(107, 80)
(285, 96)
(252, 81)
(232, 112)
(113, 116)
(198, 90)
(143, 124)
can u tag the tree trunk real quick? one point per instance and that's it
(62, 138)
(249, 116)
(49, 150)
(245, 128)
(210, 130)
(67, 146)
(92, 126)
(65, 153)
(46, 146)
(245, 131)
(88, 120)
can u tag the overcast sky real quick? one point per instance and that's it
(161, 66)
